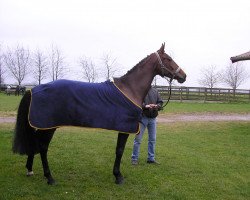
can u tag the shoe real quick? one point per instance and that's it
(153, 162)
(134, 162)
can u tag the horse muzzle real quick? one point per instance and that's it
(181, 79)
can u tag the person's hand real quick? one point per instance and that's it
(151, 106)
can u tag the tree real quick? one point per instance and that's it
(57, 64)
(109, 65)
(2, 68)
(235, 75)
(209, 77)
(156, 80)
(88, 69)
(17, 61)
(40, 66)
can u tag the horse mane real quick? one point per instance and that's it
(142, 62)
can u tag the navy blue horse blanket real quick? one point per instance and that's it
(75, 103)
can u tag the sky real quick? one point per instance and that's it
(197, 33)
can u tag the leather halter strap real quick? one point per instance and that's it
(171, 79)
(164, 67)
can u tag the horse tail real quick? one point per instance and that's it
(24, 141)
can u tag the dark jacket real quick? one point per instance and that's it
(153, 97)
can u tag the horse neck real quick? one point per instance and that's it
(136, 84)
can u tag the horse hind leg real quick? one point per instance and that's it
(45, 137)
(46, 170)
(121, 143)
(29, 165)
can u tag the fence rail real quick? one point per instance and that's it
(180, 93)
(204, 94)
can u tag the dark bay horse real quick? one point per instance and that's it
(134, 84)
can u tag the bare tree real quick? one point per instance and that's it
(209, 77)
(2, 71)
(156, 80)
(40, 66)
(88, 69)
(17, 61)
(57, 64)
(235, 75)
(109, 65)
(2, 68)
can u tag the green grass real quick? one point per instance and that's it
(194, 107)
(198, 161)
(9, 104)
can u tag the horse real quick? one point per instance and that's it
(135, 84)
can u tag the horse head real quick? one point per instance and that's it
(167, 67)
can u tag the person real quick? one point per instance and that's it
(8, 90)
(151, 105)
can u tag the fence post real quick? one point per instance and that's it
(181, 94)
(219, 95)
(205, 95)
(228, 95)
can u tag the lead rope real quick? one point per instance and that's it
(170, 92)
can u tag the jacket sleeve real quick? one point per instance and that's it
(159, 101)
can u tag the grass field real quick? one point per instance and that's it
(206, 160)
(8, 104)
(194, 107)
(198, 161)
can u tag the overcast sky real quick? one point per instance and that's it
(198, 33)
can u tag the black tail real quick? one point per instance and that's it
(24, 138)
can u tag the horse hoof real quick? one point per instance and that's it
(51, 182)
(119, 180)
(31, 173)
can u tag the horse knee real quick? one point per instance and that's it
(119, 151)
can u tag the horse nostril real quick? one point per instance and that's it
(182, 79)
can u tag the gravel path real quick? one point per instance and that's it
(179, 117)
(7, 119)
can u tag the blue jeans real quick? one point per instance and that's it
(150, 124)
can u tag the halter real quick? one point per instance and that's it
(171, 79)
(164, 67)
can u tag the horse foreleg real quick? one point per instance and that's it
(121, 143)
(29, 164)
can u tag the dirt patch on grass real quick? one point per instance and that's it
(169, 118)
(7, 119)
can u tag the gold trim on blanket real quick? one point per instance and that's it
(125, 95)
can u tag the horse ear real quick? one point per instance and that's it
(162, 49)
